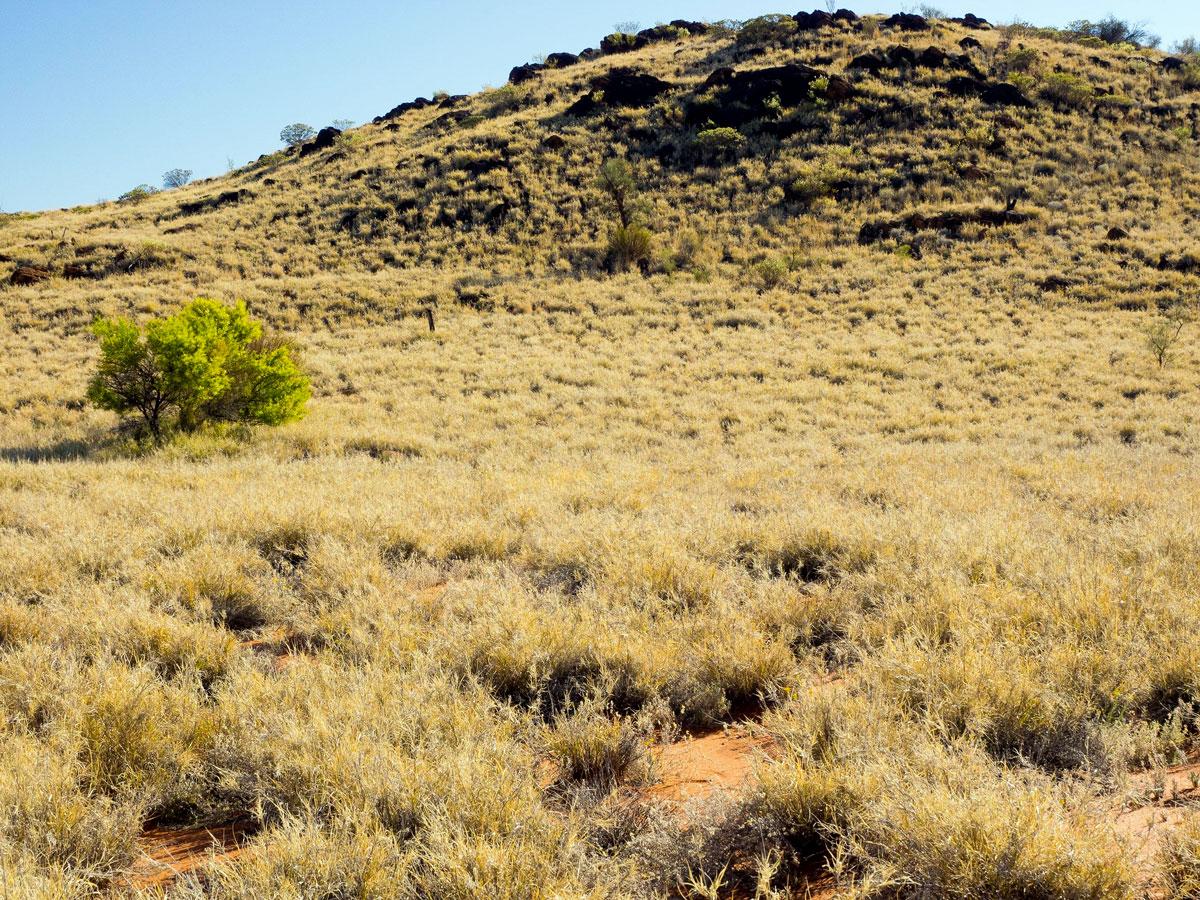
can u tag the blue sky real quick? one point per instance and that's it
(97, 96)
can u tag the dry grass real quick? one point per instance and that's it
(589, 511)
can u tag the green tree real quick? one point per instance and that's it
(297, 133)
(616, 180)
(174, 178)
(208, 362)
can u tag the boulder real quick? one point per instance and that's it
(587, 105)
(970, 20)
(25, 275)
(78, 270)
(1055, 284)
(692, 28)
(554, 142)
(323, 141)
(629, 88)
(561, 60)
(965, 86)
(743, 97)
(869, 62)
(933, 58)
(398, 111)
(1117, 233)
(900, 57)
(589, 53)
(522, 74)
(621, 43)
(951, 223)
(719, 77)
(906, 22)
(1001, 93)
(847, 16)
(813, 20)
(970, 43)
(658, 34)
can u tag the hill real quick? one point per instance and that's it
(845, 544)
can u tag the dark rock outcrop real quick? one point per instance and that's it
(950, 222)
(561, 60)
(225, 198)
(397, 111)
(813, 20)
(620, 43)
(1117, 233)
(629, 88)
(899, 57)
(323, 141)
(906, 22)
(26, 275)
(970, 20)
(994, 93)
(970, 43)
(870, 62)
(587, 105)
(1001, 93)
(743, 96)
(522, 74)
(1172, 64)
(79, 270)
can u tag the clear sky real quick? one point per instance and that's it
(97, 96)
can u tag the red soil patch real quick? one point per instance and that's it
(166, 853)
(1175, 794)
(696, 767)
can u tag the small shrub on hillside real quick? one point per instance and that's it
(769, 273)
(504, 100)
(719, 141)
(1112, 30)
(819, 178)
(1163, 334)
(1064, 89)
(1189, 77)
(208, 362)
(768, 29)
(1022, 60)
(619, 42)
(616, 180)
(629, 246)
(138, 194)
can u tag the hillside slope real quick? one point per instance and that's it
(849, 546)
(1095, 140)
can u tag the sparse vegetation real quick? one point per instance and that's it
(138, 194)
(869, 463)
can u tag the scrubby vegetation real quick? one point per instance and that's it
(831, 375)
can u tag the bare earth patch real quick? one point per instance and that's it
(1162, 800)
(164, 854)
